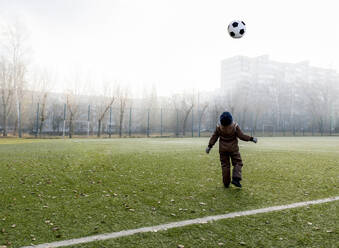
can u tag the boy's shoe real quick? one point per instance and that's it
(226, 186)
(236, 182)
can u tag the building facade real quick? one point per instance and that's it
(291, 91)
(261, 69)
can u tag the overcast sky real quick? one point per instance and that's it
(173, 44)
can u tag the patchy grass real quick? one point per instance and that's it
(60, 189)
(313, 226)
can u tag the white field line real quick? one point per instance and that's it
(162, 227)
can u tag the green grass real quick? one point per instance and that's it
(309, 227)
(53, 190)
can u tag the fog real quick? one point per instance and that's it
(152, 56)
(174, 45)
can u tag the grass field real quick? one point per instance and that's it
(54, 190)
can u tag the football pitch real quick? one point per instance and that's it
(54, 190)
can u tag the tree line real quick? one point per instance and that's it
(29, 106)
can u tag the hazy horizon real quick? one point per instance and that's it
(173, 45)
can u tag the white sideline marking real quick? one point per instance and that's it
(162, 227)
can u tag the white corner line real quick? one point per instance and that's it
(162, 227)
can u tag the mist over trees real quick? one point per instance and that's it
(28, 105)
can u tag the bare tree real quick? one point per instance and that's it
(216, 109)
(56, 117)
(258, 106)
(43, 112)
(176, 104)
(244, 102)
(72, 109)
(183, 103)
(188, 105)
(320, 97)
(106, 101)
(7, 92)
(151, 104)
(73, 99)
(123, 96)
(43, 87)
(201, 114)
(14, 43)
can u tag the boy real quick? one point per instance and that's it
(228, 133)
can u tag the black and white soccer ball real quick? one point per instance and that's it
(236, 29)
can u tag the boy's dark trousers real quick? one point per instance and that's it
(225, 166)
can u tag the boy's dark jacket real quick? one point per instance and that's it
(228, 137)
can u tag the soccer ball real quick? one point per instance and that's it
(236, 29)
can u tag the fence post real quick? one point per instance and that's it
(161, 122)
(110, 121)
(148, 123)
(263, 130)
(330, 125)
(130, 122)
(37, 121)
(199, 124)
(199, 117)
(177, 131)
(19, 120)
(88, 118)
(63, 130)
(192, 123)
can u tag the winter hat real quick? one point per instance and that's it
(226, 119)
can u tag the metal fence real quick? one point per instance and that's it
(130, 122)
(142, 122)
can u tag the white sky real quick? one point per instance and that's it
(173, 44)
